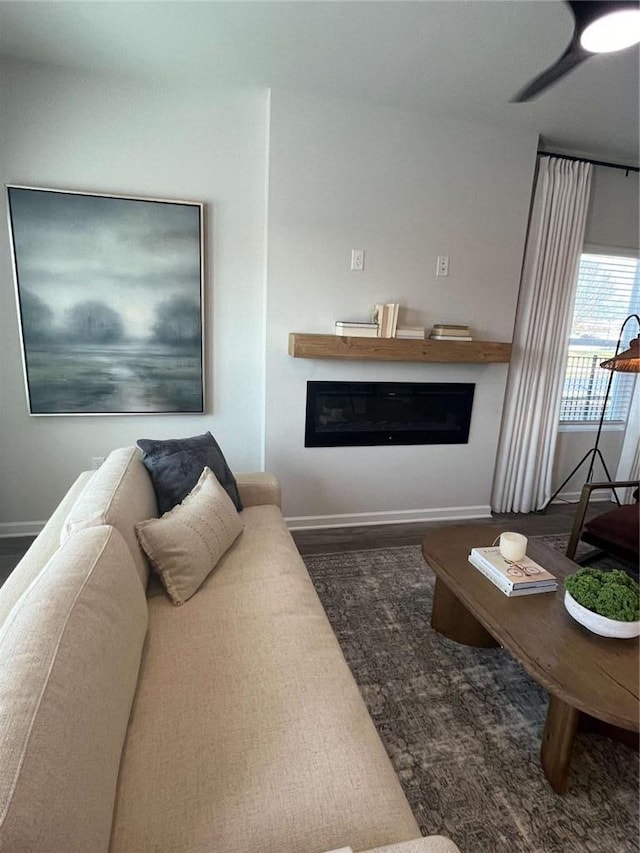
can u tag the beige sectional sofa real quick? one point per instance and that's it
(230, 724)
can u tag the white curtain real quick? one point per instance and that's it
(526, 448)
(629, 464)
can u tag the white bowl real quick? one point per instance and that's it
(600, 624)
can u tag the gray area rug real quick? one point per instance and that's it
(463, 725)
(559, 541)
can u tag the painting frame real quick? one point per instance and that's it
(165, 363)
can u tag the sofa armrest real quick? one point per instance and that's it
(258, 488)
(430, 844)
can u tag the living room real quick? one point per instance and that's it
(295, 170)
(292, 182)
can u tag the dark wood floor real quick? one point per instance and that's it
(557, 519)
(12, 549)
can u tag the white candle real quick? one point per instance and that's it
(513, 546)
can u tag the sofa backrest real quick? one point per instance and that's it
(121, 494)
(70, 651)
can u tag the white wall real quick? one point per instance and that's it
(71, 131)
(404, 188)
(613, 220)
(342, 175)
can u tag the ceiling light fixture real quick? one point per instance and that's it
(600, 26)
(613, 31)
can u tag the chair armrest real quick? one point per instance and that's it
(257, 488)
(610, 484)
(583, 504)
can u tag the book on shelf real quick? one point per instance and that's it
(450, 329)
(504, 586)
(518, 574)
(353, 329)
(357, 324)
(376, 316)
(386, 316)
(410, 333)
(439, 337)
(395, 310)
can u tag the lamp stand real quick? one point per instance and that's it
(595, 451)
(589, 455)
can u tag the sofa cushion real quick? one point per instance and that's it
(175, 466)
(41, 550)
(120, 493)
(185, 544)
(272, 748)
(70, 651)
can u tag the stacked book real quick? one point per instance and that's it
(386, 318)
(450, 332)
(410, 333)
(524, 577)
(354, 329)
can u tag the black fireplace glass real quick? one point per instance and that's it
(375, 413)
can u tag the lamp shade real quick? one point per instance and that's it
(627, 361)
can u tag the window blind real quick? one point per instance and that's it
(607, 291)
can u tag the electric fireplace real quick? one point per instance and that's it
(352, 414)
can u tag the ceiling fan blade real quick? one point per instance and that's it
(572, 57)
(586, 11)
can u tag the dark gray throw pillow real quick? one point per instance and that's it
(175, 466)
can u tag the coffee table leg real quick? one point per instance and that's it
(557, 742)
(451, 618)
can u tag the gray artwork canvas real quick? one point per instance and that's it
(110, 302)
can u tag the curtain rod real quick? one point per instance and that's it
(624, 168)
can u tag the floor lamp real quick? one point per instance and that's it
(624, 362)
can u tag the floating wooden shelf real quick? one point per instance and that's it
(391, 349)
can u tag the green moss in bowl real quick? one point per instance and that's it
(613, 594)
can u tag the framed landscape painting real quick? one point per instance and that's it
(110, 302)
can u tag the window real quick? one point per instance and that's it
(608, 290)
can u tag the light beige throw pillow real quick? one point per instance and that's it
(185, 544)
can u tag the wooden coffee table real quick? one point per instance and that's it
(592, 681)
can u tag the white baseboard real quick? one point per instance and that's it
(574, 497)
(20, 528)
(362, 519)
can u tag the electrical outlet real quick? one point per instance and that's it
(96, 461)
(442, 265)
(357, 260)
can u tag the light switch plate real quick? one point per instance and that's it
(357, 260)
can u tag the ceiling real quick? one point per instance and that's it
(455, 57)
